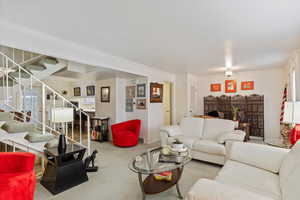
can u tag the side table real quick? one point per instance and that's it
(245, 127)
(100, 128)
(64, 170)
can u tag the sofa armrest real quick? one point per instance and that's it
(257, 155)
(168, 132)
(171, 130)
(206, 189)
(236, 135)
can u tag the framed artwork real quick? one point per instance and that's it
(129, 105)
(130, 92)
(141, 104)
(105, 94)
(141, 90)
(156, 93)
(77, 92)
(230, 86)
(215, 87)
(90, 90)
(247, 85)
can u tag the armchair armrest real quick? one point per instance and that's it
(258, 155)
(206, 189)
(168, 132)
(236, 135)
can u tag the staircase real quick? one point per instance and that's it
(21, 90)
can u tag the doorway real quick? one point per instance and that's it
(167, 103)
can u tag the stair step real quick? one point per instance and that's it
(36, 67)
(16, 75)
(49, 60)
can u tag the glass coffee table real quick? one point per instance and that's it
(147, 164)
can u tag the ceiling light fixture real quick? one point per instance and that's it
(228, 73)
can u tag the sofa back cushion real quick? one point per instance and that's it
(289, 174)
(214, 127)
(191, 126)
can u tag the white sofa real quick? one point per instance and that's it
(204, 137)
(253, 172)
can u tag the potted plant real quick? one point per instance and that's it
(235, 111)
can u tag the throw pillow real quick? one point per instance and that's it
(35, 137)
(236, 135)
(18, 127)
(6, 116)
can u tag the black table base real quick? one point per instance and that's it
(64, 171)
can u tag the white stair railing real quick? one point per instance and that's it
(18, 89)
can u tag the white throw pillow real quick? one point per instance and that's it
(213, 127)
(236, 135)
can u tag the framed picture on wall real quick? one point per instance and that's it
(129, 105)
(141, 90)
(247, 85)
(156, 93)
(130, 92)
(215, 87)
(105, 94)
(90, 90)
(230, 86)
(77, 92)
(141, 104)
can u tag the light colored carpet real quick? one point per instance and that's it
(114, 181)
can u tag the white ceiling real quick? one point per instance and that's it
(173, 35)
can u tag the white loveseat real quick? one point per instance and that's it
(204, 137)
(253, 172)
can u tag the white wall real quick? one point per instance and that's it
(138, 113)
(181, 95)
(269, 83)
(106, 108)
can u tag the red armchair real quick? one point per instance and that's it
(17, 177)
(126, 134)
(295, 134)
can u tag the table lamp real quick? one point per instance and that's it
(292, 116)
(62, 115)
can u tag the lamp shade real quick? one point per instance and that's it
(291, 112)
(59, 115)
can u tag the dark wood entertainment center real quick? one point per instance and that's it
(251, 110)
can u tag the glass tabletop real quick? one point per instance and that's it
(149, 162)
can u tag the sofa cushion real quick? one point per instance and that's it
(250, 178)
(258, 155)
(192, 127)
(213, 127)
(205, 189)
(209, 146)
(290, 174)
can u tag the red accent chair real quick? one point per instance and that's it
(295, 134)
(126, 134)
(17, 176)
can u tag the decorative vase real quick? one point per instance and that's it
(62, 145)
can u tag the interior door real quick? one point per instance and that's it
(167, 103)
